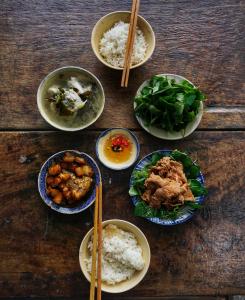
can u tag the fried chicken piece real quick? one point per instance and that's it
(155, 202)
(84, 171)
(58, 198)
(167, 185)
(64, 176)
(162, 167)
(147, 196)
(80, 160)
(54, 170)
(68, 157)
(77, 194)
(155, 181)
(188, 195)
(177, 172)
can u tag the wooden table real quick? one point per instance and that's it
(201, 40)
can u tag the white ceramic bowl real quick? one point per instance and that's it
(51, 79)
(107, 22)
(171, 135)
(100, 147)
(138, 276)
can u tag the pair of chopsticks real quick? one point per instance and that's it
(97, 243)
(130, 42)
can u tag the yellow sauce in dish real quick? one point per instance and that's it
(118, 148)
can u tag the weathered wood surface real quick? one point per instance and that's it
(39, 248)
(201, 40)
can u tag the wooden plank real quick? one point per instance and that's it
(108, 297)
(39, 248)
(201, 40)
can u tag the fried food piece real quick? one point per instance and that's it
(58, 198)
(80, 160)
(167, 185)
(155, 202)
(77, 195)
(49, 180)
(52, 192)
(171, 189)
(70, 180)
(64, 176)
(54, 170)
(188, 195)
(84, 171)
(68, 157)
(56, 181)
(67, 194)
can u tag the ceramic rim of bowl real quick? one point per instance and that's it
(195, 122)
(62, 209)
(39, 98)
(133, 66)
(112, 221)
(135, 139)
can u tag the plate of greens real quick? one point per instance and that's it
(167, 187)
(169, 106)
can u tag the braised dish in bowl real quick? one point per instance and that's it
(167, 187)
(67, 181)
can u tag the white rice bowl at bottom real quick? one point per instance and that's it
(125, 256)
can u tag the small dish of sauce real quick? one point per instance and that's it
(117, 148)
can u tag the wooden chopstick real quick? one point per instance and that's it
(130, 42)
(97, 241)
(94, 252)
(99, 244)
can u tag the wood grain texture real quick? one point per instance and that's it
(109, 297)
(39, 248)
(201, 40)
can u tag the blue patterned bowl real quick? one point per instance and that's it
(84, 204)
(186, 213)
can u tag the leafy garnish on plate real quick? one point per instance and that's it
(166, 104)
(137, 188)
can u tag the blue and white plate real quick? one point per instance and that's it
(186, 212)
(84, 204)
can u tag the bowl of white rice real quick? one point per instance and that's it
(109, 37)
(125, 256)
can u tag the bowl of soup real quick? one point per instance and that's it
(70, 98)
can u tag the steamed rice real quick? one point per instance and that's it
(113, 42)
(121, 255)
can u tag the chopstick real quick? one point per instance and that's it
(94, 253)
(130, 42)
(97, 242)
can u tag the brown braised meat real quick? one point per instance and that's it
(167, 185)
(69, 180)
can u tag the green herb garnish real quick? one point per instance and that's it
(137, 188)
(166, 104)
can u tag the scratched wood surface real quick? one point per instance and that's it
(39, 248)
(201, 40)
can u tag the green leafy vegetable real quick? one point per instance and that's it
(191, 170)
(169, 105)
(197, 188)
